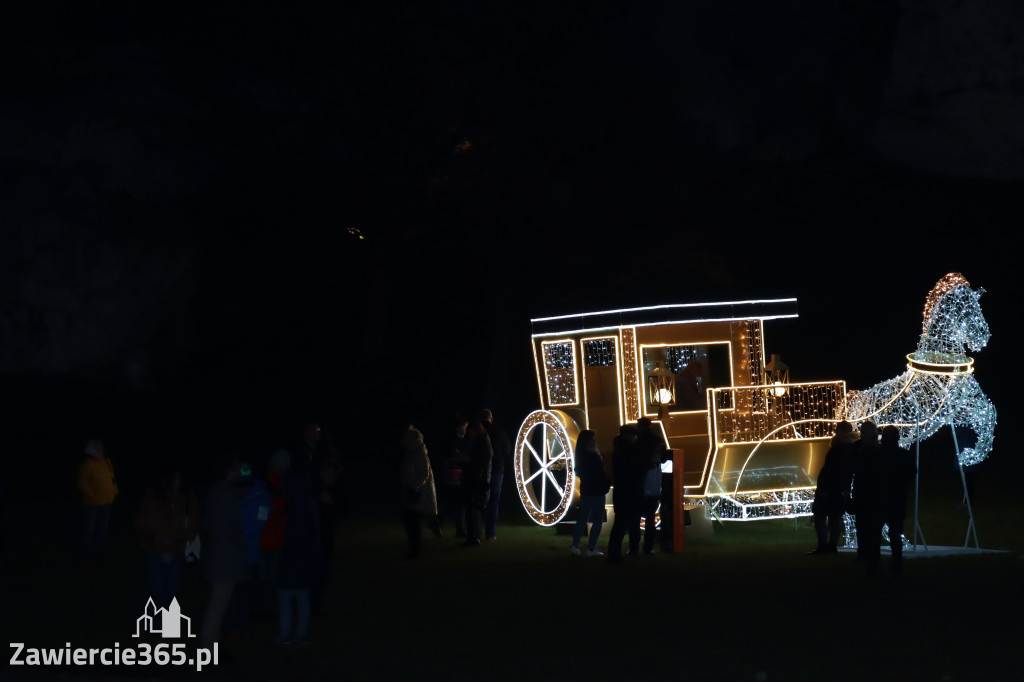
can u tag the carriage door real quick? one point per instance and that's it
(602, 389)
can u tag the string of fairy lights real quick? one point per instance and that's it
(560, 368)
(599, 353)
(938, 387)
(769, 504)
(629, 379)
(803, 411)
(543, 446)
(755, 352)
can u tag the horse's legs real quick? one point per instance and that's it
(979, 414)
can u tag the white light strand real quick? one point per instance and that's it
(769, 504)
(560, 370)
(939, 383)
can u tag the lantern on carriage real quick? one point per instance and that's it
(661, 388)
(776, 376)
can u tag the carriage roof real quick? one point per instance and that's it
(678, 313)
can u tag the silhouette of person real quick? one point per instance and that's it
(898, 470)
(833, 489)
(327, 488)
(299, 556)
(476, 480)
(594, 487)
(224, 551)
(868, 497)
(419, 497)
(502, 448)
(627, 479)
(272, 535)
(98, 487)
(255, 500)
(452, 505)
(168, 518)
(652, 453)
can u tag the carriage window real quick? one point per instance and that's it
(599, 353)
(600, 377)
(560, 372)
(696, 368)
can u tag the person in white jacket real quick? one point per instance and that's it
(419, 498)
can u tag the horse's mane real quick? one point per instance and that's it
(952, 322)
(941, 288)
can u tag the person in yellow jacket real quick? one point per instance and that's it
(98, 487)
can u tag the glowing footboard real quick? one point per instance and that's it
(773, 504)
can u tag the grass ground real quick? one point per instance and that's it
(746, 603)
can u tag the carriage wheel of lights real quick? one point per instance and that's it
(938, 387)
(545, 475)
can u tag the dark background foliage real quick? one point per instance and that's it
(222, 220)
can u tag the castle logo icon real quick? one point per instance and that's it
(170, 621)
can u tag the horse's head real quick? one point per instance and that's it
(973, 324)
(952, 321)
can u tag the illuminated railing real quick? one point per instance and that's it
(777, 412)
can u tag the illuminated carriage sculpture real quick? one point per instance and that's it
(753, 442)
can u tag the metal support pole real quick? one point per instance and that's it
(679, 502)
(967, 498)
(917, 484)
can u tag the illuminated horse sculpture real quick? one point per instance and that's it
(938, 387)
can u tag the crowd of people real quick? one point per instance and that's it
(265, 543)
(463, 494)
(867, 478)
(460, 489)
(638, 487)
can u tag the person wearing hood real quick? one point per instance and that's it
(419, 497)
(255, 501)
(832, 493)
(98, 486)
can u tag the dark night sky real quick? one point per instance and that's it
(502, 163)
